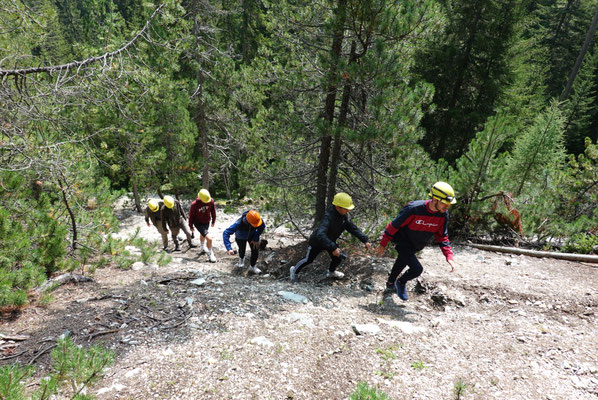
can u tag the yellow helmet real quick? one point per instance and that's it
(444, 192)
(204, 195)
(343, 200)
(153, 205)
(169, 201)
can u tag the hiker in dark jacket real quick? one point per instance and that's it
(152, 212)
(414, 227)
(173, 216)
(248, 228)
(333, 224)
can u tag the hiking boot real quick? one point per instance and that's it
(211, 256)
(401, 289)
(241, 263)
(255, 269)
(293, 274)
(335, 274)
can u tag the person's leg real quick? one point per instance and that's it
(164, 236)
(187, 231)
(334, 262)
(241, 244)
(310, 256)
(255, 252)
(415, 269)
(174, 232)
(405, 258)
(203, 232)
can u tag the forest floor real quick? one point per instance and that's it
(499, 327)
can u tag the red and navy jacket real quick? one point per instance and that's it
(201, 212)
(415, 226)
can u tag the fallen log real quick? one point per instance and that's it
(536, 253)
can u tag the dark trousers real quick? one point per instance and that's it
(310, 256)
(255, 251)
(404, 259)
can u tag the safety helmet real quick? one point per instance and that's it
(169, 201)
(343, 200)
(254, 218)
(443, 192)
(153, 205)
(204, 195)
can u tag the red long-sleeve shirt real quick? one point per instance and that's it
(201, 212)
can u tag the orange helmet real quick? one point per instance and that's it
(254, 219)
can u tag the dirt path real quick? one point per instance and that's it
(501, 327)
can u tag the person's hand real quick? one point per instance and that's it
(254, 244)
(147, 222)
(231, 252)
(368, 246)
(452, 264)
(380, 250)
(337, 252)
(166, 231)
(213, 223)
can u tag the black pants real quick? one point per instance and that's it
(310, 256)
(255, 251)
(404, 259)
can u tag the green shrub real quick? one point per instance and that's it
(364, 392)
(73, 369)
(581, 243)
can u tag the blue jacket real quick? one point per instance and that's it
(242, 231)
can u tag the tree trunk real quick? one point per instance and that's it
(342, 121)
(331, 90)
(201, 145)
(580, 56)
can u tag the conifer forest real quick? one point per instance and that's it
(287, 102)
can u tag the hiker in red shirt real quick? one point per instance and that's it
(412, 229)
(202, 210)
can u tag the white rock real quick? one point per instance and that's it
(364, 329)
(132, 372)
(404, 326)
(293, 296)
(262, 341)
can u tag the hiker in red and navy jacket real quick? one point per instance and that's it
(412, 230)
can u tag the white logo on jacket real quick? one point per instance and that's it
(422, 222)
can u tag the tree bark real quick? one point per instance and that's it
(331, 91)
(342, 121)
(534, 253)
(201, 145)
(580, 56)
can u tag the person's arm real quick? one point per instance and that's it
(147, 219)
(393, 227)
(254, 239)
(321, 233)
(191, 219)
(355, 231)
(213, 212)
(443, 241)
(227, 234)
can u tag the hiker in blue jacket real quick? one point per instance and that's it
(248, 228)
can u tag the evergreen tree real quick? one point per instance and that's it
(467, 63)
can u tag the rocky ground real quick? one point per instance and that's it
(499, 327)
